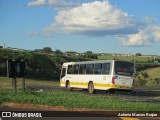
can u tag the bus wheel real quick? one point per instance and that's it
(68, 86)
(91, 88)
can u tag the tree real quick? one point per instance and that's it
(47, 50)
(145, 74)
(88, 52)
(58, 52)
(138, 54)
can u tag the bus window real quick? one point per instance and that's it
(63, 72)
(124, 68)
(89, 69)
(82, 69)
(105, 68)
(75, 69)
(69, 70)
(97, 68)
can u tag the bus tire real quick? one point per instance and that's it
(91, 88)
(68, 86)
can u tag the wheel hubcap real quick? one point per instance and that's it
(68, 86)
(91, 88)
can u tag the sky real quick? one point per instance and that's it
(100, 26)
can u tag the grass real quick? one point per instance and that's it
(6, 83)
(153, 79)
(75, 100)
(131, 58)
(67, 99)
(154, 72)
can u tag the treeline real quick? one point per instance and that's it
(143, 66)
(38, 66)
(89, 54)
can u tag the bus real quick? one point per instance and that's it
(98, 75)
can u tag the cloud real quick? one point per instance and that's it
(95, 19)
(145, 37)
(100, 19)
(36, 3)
(57, 4)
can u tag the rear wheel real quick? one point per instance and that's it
(68, 86)
(91, 88)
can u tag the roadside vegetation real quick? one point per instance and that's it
(6, 83)
(136, 59)
(72, 100)
(149, 77)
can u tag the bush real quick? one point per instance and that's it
(144, 74)
(143, 66)
(140, 82)
(151, 83)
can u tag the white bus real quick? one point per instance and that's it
(98, 75)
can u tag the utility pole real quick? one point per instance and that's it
(4, 45)
(7, 69)
(23, 84)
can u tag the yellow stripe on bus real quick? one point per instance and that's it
(98, 85)
(62, 83)
(104, 85)
(79, 83)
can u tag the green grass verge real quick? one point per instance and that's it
(154, 72)
(75, 100)
(131, 58)
(6, 83)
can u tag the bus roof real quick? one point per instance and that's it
(95, 61)
(87, 62)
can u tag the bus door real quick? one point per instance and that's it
(63, 75)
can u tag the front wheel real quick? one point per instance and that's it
(68, 86)
(91, 88)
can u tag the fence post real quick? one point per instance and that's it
(14, 81)
(23, 84)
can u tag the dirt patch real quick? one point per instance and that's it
(27, 106)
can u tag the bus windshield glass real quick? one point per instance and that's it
(124, 68)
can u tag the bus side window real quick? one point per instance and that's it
(82, 69)
(90, 68)
(69, 70)
(105, 68)
(75, 69)
(97, 68)
(63, 72)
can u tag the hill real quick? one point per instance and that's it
(153, 72)
(136, 59)
(38, 65)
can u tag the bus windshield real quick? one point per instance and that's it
(124, 68)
